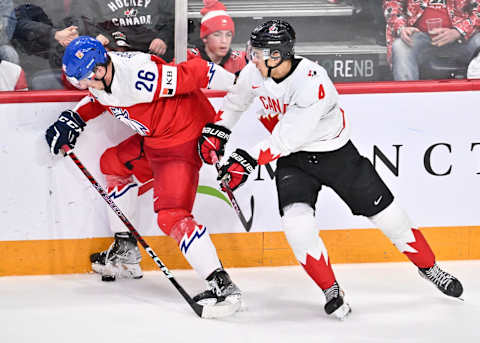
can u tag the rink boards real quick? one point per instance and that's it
(423, 138)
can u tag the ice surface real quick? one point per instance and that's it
(390, 303)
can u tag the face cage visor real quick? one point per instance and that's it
(255, 54)
(83, 83)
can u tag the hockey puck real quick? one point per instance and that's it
(108, 278)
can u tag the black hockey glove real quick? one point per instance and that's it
(65, 130)
(235, 172)
(213, 138)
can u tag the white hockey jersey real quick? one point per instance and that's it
(301, 112)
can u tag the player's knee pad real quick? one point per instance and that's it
(168, 218)
(395, 224)
(110, 163)
(301, 231)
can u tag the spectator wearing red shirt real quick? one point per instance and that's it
(418, 29)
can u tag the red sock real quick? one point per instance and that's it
(320, 271)
(424, 257)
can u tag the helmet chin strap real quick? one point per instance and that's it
(271, 68)
(108, 88)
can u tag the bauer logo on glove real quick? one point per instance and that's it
(213, 138)
(235, 172)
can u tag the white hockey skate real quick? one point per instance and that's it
(120, 260)
(222, 292)
(335, 302)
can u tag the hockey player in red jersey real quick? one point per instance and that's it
(311, 142)
(216, 32)
(164, 105)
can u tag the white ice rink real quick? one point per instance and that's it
(390, 303)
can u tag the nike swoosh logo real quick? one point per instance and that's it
(376, 202)
(255, 87)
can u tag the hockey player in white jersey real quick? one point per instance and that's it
(311, 142)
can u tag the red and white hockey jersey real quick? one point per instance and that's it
(301, 112)
(160, 101)
(12, 77)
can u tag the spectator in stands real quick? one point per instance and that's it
(12, 77)
(148, 26)
(43, 30)
(7, 26)
(47, 26)
(419, 30)
(216, 32)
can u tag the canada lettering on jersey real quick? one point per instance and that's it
(132, 21)
(274, 110)
(273, 104)
(123, 115)
(130, 13)
(115, 5)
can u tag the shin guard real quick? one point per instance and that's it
(396, 225)
(192, 239)
(302, 235)
(124, 192)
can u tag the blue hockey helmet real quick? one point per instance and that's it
(81, 57)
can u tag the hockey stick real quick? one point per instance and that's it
(212, 311)
(246, 224)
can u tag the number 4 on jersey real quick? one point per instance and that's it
(321, 92)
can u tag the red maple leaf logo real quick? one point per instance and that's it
(266, 156)
(269, 121)
(319, 270)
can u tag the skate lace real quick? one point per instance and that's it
(110, 255)
(215, 288)
(123, 251)
(223, 286)
(438, 276)
(332, 292)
